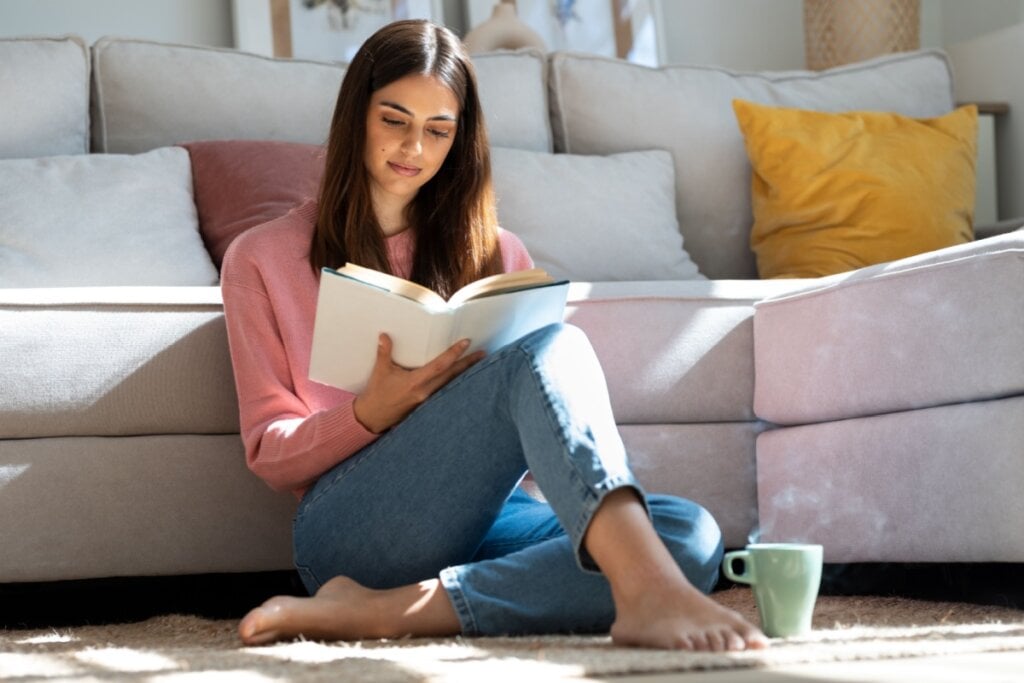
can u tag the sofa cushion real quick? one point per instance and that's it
(836, 192)
(239, 184)
(675, 351)
(712, 464)
(114, 361)
(149, 94)
(155, 505)
(688, 111)
(514, 97)
(102, 220)
(594, 218)
(936, 485)
(929, 330)
(44, 91)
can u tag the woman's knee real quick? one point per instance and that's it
(692, 536)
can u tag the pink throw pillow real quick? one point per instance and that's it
(239, 184)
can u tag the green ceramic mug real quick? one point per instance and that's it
(785, 578)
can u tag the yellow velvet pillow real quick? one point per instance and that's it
(834, 192)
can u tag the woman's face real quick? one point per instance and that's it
(410, 127)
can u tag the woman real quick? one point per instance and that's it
(411, 520)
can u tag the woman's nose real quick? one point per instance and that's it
(413, 143)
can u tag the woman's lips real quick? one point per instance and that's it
(403, 170)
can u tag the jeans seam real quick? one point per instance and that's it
(591, 495)
(449, 578)
(363, 454)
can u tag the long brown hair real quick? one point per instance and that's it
(453, 214)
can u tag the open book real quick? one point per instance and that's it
(356, 304)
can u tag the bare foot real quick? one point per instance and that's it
(682, 619)
(345, 610)
(340, 609)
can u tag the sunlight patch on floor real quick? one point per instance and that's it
(19, 665)
(234, 676)
(126, 659)
(47, 639)
(423, 660)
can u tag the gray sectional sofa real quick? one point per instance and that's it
(879, 412)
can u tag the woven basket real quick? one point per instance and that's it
(843, 31)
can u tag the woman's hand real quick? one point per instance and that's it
(393, 391)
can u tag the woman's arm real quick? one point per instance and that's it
(286, 444)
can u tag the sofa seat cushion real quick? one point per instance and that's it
(711, 464)
(101, 220)
(929, 330)
(688, 111)
(935, 485)
(114, 361)
(92, 507)
(44, 91)
(149, 94)
(677, 351)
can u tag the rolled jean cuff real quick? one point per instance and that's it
(451, 582)
(591, 503)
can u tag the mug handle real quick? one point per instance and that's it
(748, 567)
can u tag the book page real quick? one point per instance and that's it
(502, 282)
(349, 319)
(491, 322)
(396, 285)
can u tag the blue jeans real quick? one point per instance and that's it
(438, 496)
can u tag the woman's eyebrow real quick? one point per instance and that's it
(396, 105)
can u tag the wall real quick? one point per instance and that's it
(768, 34)
(193, 22)
(987, 68)
(739, 34)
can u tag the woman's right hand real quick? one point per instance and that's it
(393, 391)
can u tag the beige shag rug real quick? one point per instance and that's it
(185, 648)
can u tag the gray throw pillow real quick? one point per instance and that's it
(594, 218)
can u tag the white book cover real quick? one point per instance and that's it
(351, 313)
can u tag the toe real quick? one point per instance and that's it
(252, 629)
(755, 640)
(715, 641)
(734, 642)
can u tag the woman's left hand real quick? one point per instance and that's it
(393, 391)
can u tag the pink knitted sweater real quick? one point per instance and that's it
(294, 429)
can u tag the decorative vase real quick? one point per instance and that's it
(503, 31)
(843, 31)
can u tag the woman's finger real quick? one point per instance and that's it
(445, 360)
(456, 369)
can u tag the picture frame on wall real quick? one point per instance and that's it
(322, 30)
(626, 29)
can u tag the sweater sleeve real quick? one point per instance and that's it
(286, 444)
(514, 255)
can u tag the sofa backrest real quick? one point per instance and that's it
(602, 106)
(44, 97)
(148, 95)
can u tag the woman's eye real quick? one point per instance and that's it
(391, 122)
(440, 133)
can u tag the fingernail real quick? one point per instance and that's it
(464, 344)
